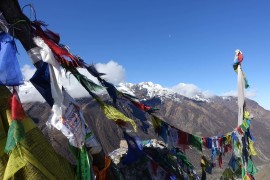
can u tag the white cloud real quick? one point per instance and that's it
(251, 93)
(190, 90)
(27, 72)
(208, 94)
(115, 74)
(229, 93)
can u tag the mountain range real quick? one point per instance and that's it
(198, 113)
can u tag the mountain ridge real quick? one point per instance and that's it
(212, 115)
(204, 117)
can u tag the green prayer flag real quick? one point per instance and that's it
(16, 133)
(251, 168)
(195, 141)
(83, 168)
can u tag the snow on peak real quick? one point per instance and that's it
(228, 98)
(126, 88)
(150, 90)
(154, 89)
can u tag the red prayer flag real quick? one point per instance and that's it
(17, 112)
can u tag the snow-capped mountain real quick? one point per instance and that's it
(144, 90)
(149, 90)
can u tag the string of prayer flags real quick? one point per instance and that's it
(93, 71)
(235, 169)
(161, 128)
(83, 80)
(89, 85)
(16, 131)
(222, 144)
(178, 136)
(66, 115)
(186, 139)
(242, 140)
(55, 82)
(219, 145)
(135, 101)
(109, 111)
(73, 119)
(52, 40)
(10, 73)
(114, 93)
(242, 147)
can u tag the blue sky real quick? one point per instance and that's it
(168, 42)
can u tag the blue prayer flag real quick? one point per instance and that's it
(10, 73)
(41, 81)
